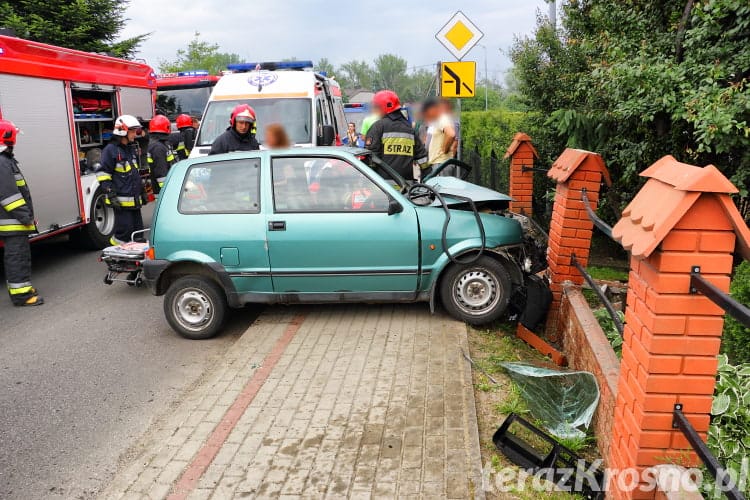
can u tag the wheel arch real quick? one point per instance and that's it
(211, 270)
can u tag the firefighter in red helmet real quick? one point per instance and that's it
(183, 140)
(16, 222)
(392, 137)
(160, 154)
(240, 136)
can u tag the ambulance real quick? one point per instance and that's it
(184, 92)
(308, 105)
(65, 103)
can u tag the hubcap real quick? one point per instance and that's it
(103, 216)
(193, 309)
(476, 291)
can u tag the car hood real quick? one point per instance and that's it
(448, 186)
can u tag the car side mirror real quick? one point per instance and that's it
(327, 136)
(394, 207)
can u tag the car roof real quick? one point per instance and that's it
(314, 151)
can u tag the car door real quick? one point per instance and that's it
(220, 200)
(330, 233)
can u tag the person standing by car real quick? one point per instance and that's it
(121, 180)
(442, 130)
(353, 139)
(183, 140)
(160, 154)
(392, 137)
(240, 136)
(17, 222)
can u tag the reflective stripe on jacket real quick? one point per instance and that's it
(17, 212)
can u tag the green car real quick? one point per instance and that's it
(326, 225)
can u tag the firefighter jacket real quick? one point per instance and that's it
(232, 141)
(393, 139)
(161, 157)
(119, 176)
(17, 213)
(182, 142)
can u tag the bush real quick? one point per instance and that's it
(729, 433)
(736, 340)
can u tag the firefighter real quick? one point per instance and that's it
(121, 180)
(240, 135)
(160, 154)
(16, 222)
(393, 139)
(183, 140)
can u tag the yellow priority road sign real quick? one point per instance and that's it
(458, 79)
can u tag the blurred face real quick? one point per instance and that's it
(431, 114)
(242, 127)
(269, 140)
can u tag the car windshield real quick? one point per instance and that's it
(293, 114)
(189, 101)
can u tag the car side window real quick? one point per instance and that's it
(323, 184)
(231, 186)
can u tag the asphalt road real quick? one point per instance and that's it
(83, 376)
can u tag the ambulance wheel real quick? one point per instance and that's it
(195, 307)
(477, 293)
(96, 234)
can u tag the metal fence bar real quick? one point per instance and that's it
(738, 311)
(524, 168)
(729, 487)
(603, 226)
(603, 298)
(493, 171)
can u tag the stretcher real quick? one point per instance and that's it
(125, 258)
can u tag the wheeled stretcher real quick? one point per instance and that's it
(125, 258)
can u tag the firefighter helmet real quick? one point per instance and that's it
(8, 133)
(386, 101)
(184, 120)
(159, 125)
(242, 113)
(125, 123)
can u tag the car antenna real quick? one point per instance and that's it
(260, 81)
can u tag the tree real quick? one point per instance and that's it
(357, 75)
(638, 80)
(199, 55)
(88, 25)
(390, 71)
(324, 65)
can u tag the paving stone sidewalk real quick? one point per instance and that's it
(362, 401)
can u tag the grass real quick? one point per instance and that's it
(488, 348)
(608, 273)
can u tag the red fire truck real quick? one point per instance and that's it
(184, 92)
(65, 103)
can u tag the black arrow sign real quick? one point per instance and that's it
(456, 80)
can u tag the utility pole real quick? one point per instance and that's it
(553, 13)
(486, 79)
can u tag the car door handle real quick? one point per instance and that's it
(277, 225)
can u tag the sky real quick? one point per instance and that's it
(268, 30)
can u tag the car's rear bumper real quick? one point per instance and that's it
(152, 270)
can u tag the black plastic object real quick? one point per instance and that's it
(538, 300)
(548, 458)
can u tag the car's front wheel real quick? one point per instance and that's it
(195, 307)
(477, 293)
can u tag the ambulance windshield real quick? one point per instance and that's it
(294, 114)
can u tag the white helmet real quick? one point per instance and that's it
(125, 123)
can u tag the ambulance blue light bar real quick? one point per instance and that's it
(271, 65)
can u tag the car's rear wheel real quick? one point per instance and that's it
(477, 293)
(195, 307)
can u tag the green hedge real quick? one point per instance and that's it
(736, 340)
(488, 130)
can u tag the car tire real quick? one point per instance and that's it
(97, 233)
(195, 307)
(477, 293)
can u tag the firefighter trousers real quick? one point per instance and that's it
(126, 222)
(18, 267)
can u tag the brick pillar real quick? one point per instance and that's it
(570, 228)
(682, 217)
(522, 154)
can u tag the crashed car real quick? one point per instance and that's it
(326, 225)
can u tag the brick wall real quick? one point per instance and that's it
(586, 347)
